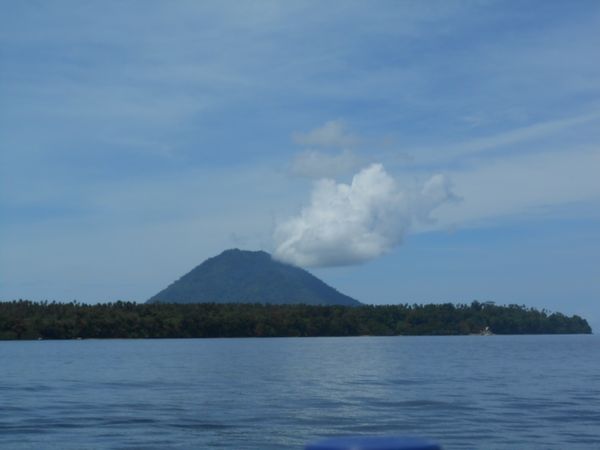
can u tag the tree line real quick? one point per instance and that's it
(24, 319)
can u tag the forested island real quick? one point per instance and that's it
(44, 320)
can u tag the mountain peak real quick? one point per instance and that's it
(247, 253)
(244, 276)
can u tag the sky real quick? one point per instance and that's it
(402, 151)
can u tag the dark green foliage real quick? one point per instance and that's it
(239, 276)
(28, 320)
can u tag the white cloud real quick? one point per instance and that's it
(332, 134)
(316, 164)
(352, 223)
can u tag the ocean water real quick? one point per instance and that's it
(471, 392)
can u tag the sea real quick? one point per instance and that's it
(464, 392)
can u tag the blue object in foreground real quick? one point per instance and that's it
(373, 443)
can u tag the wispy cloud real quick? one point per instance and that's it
(522, 186)
(522, 135)
(318, 164)
(331, 151)
(333, 134)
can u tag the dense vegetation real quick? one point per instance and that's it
(241, 276)
(28, 320)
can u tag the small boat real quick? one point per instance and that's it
(486, 332)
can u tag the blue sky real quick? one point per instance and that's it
(138, 138)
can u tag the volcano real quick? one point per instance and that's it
(241, 276)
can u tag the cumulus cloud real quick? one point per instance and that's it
(351, 223)
(317, 164)
(332, 134)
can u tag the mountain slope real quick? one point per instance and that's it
(239, 276)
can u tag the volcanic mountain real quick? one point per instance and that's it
(240, 276)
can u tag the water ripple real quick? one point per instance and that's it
(506, 393)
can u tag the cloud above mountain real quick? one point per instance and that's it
(332, 134)
(318, 164)
(329, 151)
(352, 223)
